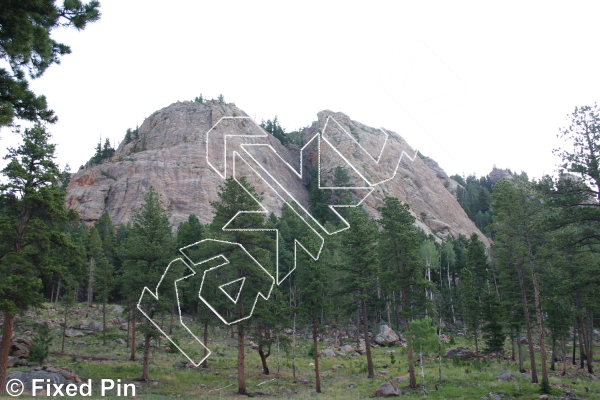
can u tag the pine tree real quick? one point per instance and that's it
(26, 45)
(399, 243)
(235, 196)
(311, 281)
(362, 267)
(31, 215)
(520, 212)
(103, 274)
(146, 252)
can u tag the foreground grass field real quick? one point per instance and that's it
(464, 380)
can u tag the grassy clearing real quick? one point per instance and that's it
(465, 380)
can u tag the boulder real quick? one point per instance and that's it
(386, 336)
(495, 396)
(118, 309)
(123, 326)
(507, 377)
(328, 353)
(387, 389)
(121, 341)
(302, 380)
(444, 339)
(19, 347)
(28, 376)
(334, 367)
(14, 362)
(93, 326)
(461, 352)
(347, 347)
(362, 349)
(73, 333)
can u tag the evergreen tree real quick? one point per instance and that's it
(399, 244)
(40, 348)
(26, 46)
(471, 305)
(103, 274)
(520, 212)
(31, 215)
(146, 252)
(311, 281)
(235, 196)
(362, 268)
(584, 134)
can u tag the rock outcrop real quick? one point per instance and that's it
(169, 153)
(498, 174)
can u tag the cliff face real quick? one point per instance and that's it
(170, 154)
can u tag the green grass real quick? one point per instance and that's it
(465, 380)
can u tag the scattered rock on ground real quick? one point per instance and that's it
(386, 336)
(334, 367)
(302, 380)
(387, 389)
(351, 386)
(328, 353)
(121, 341)
(506, 377)
(16, 362)
(19, 347)
(461, 352)
(49, 374)
(347, 347)
(495, 396)
(73, 333)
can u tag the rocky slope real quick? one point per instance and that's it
(169, 153)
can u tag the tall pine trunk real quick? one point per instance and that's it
(564, 354)
(538, 312)
(241, 360)
(146, 362)
(104, 322)
(62, 346)
(205, 362)
(133, 343)
(9, 321)
(520, 350)
(316, 354)
(261, 352)
(371, 371)
(534, 377)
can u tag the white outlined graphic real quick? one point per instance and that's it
(228, 266)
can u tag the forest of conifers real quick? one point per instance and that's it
(536, 284)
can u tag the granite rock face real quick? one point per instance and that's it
(170, 154)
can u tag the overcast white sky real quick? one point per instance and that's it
(469, 84)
